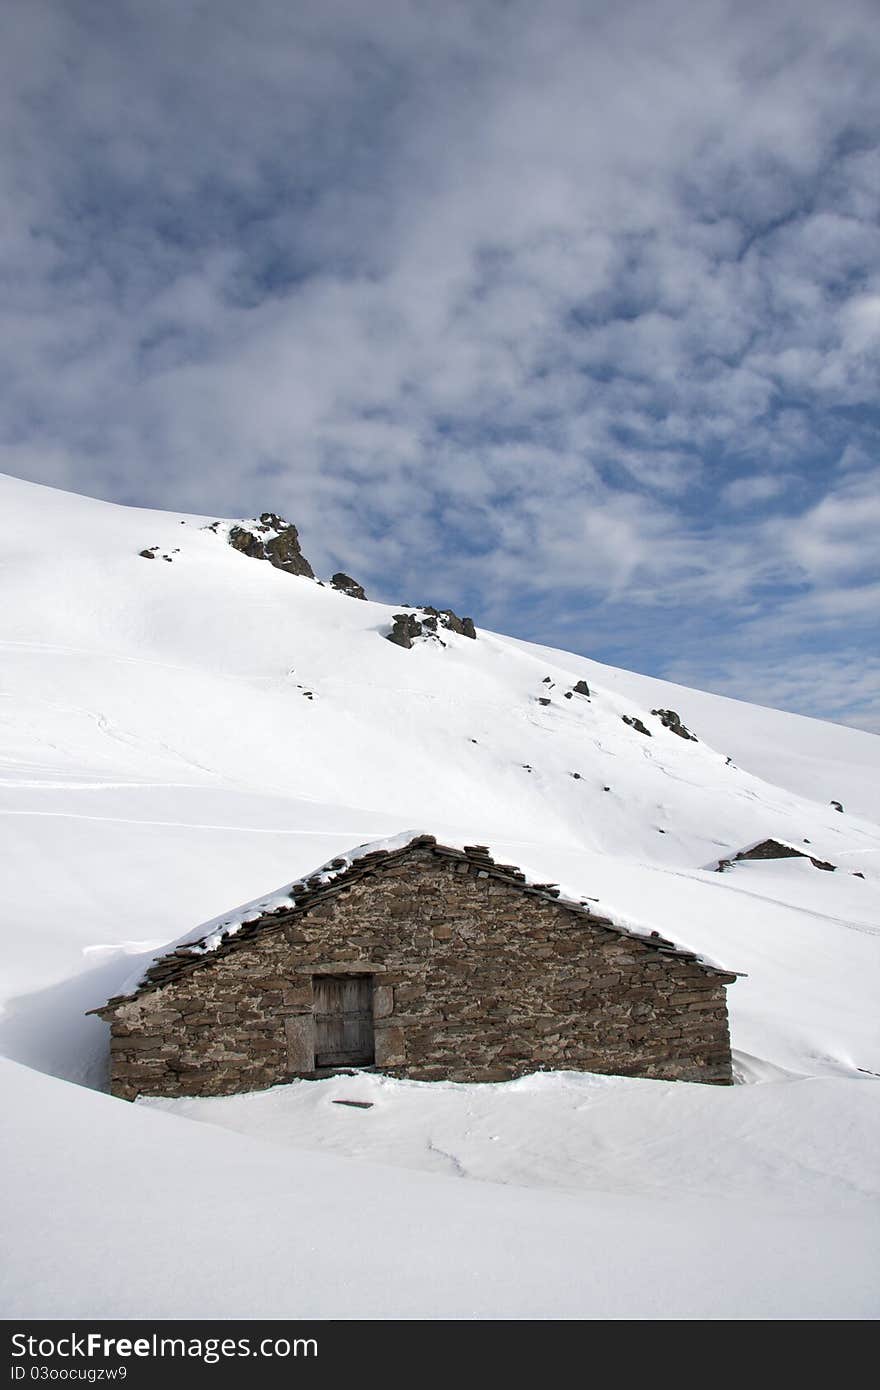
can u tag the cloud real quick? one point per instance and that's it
(842, 686)
(568, 311)
(759, 487)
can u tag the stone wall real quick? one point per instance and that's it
(474, 980)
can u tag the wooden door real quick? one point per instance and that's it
(344, 1021)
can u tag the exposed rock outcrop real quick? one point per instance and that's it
(273, 539)
(405, 629)
(346, 585)
(446, 618)
(407, 626)
(635, 723)
(153, 551)
(672, 721)
(773, 849)
(581, 688)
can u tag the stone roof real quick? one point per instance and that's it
(339, 874)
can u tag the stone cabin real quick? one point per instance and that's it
(421, 961)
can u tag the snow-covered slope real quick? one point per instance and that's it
(179, 736)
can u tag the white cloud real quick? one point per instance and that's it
(843, 686)
(760, 487)
(861, 322)
(513, 299)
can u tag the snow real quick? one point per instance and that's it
(573, 1132)
(160, 764)
(153, 1215)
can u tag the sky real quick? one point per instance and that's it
(566, 315)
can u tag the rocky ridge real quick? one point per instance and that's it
(407, 628)
(273, 539)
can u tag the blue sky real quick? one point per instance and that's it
(567, 315)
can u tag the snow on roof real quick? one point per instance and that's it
(209, 936)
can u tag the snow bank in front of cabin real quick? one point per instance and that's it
(795, 1140)
(268, 1219)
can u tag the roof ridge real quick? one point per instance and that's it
(305, 893)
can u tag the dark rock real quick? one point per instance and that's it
(275, 540)
(346, 585)
(148, 554)
(672, 721)
(406, 627)
(546, 681)
(543, 700)
(857, 873)
(576, 776)
(837, 806)
(774, 849)
(240, 538)
(636, 724)
(463, 626)
(567, 695)
(770, 849)
(581, 688)
(283, 551)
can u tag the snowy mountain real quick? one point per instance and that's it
(185, 727)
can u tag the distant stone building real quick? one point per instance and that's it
(422, 961)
